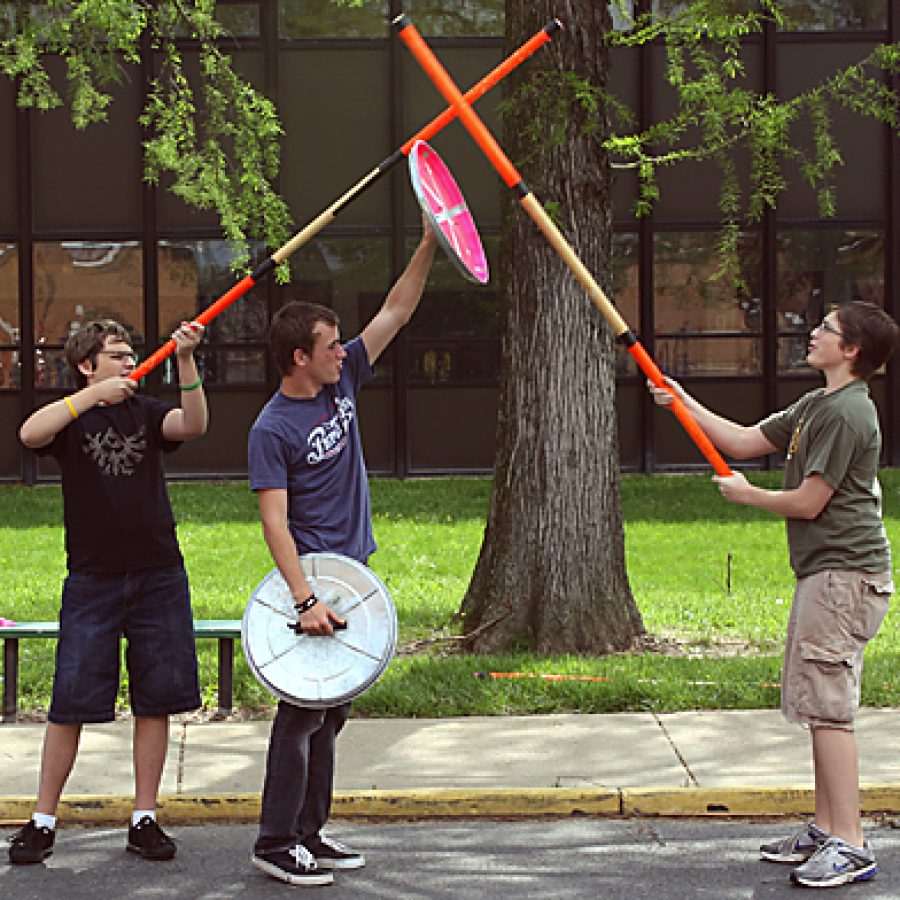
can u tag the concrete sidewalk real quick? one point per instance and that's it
(694, 763)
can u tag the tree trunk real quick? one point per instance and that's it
(553, 554)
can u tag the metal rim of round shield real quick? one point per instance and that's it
(320, 672)
(447, 212)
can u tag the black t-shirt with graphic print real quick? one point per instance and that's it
(116, 508)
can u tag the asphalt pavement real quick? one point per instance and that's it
(583, 857)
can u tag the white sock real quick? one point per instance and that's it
(139, 814)
(42, 820)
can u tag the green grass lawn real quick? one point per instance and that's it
(711, 580)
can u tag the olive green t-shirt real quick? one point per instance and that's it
(835, 436)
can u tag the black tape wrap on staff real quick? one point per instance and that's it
(263, 269)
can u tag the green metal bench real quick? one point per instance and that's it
(225, 630)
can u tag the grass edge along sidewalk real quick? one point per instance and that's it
(717, 608)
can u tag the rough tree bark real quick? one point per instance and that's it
(553, 552)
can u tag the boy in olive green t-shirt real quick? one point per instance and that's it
(831, 501)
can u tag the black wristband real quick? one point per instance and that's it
(306, 605)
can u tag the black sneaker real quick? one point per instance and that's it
(149, 840)
(295, 866)
(31, 844)
(331, 854)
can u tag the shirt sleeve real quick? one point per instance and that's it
(157, 410)
(266, 461)
(831, 451)
(357, 362)
(779, 427)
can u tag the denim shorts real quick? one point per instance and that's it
(835, 613)
(152, 609)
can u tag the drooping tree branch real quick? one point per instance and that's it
(210, 131)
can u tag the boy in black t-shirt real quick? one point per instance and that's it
(125, 571)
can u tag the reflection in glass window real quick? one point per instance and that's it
(457, 18)
(76, 281)
(9, 294)
(51, 369)
(689, 298)
(455, 333)
(453, 306)
(349, 274)
(193, 274)
(673, 7)
(818, 270)
(690, 301)
(681, 355)
(7, 20)
(470, 362)
(622, 14)
(239, 19)
(626, 293)
(834, 15)
(9, 317)
(324, 18)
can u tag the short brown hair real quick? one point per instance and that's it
(88, 341)
(293, 328)
(869, 327)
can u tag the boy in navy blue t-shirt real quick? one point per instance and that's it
(307, 469)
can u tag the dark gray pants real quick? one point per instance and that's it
(297, 792)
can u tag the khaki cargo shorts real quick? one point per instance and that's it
(834, 615)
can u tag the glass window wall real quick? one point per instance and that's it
(818, 270)
(10, 374)
(454, 336)
(704, 324)
(193, 274)
(834, 15)
(457, 18)
(298, 19)
(74, 282)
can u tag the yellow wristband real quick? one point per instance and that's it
(71, 405)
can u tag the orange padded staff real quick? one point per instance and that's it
(476, 92)
(507, 171)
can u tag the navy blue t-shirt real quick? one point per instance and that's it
(311, 448)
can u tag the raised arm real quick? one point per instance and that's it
(403, 298)
(191, 419)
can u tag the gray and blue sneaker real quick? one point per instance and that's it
(797, 847)
(834, 863)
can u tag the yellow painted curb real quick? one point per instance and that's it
(774, 801)
(488, 803)
(491, 802)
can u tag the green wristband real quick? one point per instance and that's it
(190, 387)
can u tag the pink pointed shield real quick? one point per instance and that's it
(447, 213)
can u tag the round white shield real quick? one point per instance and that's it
(312, 671)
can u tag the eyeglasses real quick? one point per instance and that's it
(118, 355)
(825, 325)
